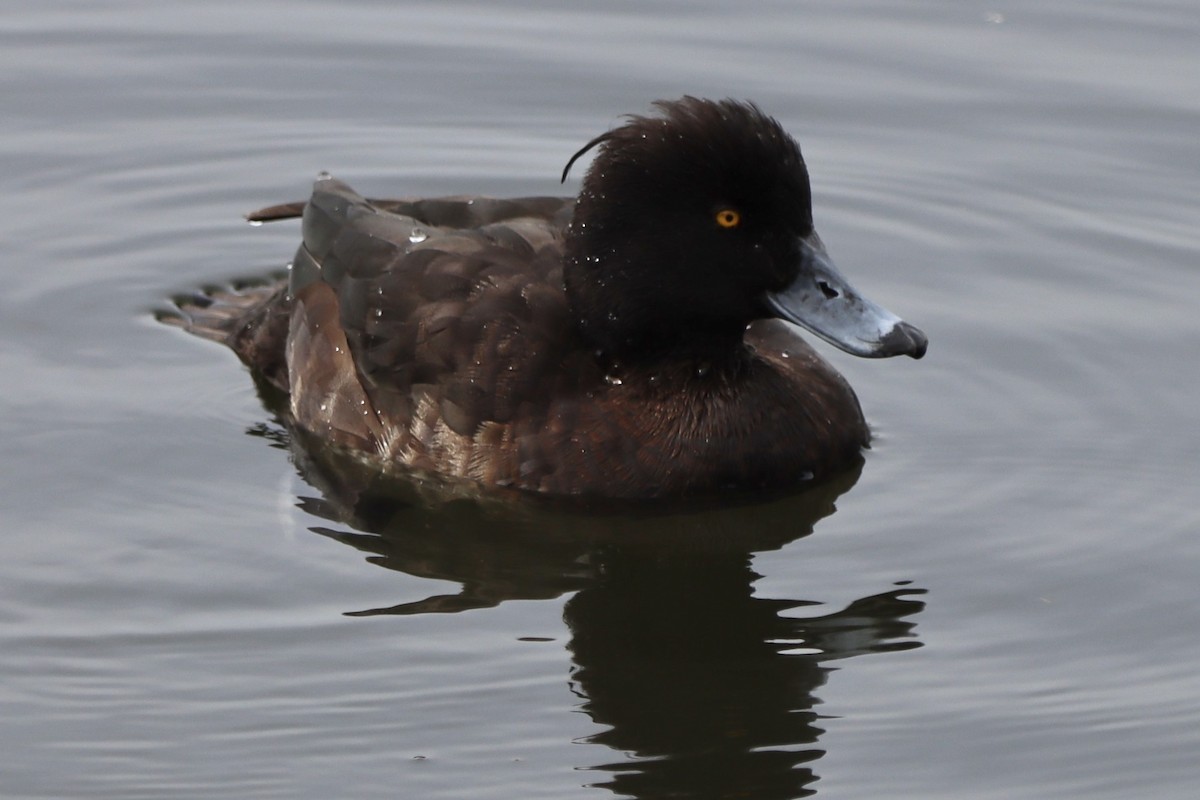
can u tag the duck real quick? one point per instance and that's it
(638, 341)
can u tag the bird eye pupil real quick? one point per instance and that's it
(728, 218)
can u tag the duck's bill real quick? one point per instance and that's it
(824, 302)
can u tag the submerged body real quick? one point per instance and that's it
(617, 345)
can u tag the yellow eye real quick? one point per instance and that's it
(728, 218)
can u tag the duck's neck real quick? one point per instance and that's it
(623, 303)
(693, 364)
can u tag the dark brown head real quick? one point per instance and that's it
(693, 223)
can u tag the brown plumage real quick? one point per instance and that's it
(437, 335)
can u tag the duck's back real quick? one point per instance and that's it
(421, 332)
(452, 302)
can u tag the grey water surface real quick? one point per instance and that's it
(1004, 603)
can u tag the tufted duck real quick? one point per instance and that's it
(633, 342)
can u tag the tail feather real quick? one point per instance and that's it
(217, 313)
(252, 320)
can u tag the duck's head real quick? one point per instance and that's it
(695, 222)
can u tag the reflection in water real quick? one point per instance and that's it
(705, 689)
(710, 689)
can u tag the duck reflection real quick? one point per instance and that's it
(703, 688)
(708, 690)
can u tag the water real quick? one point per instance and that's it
(1003, 605)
